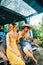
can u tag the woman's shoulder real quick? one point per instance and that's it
(8, 34)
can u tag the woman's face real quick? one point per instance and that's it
(15, 28)
(10, 27)
(25, 29)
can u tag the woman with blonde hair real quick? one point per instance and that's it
(12, 50)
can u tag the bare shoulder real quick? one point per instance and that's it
(8, 34)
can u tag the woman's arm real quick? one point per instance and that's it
(2, 49)
(9, 47)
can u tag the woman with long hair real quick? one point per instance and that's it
(24, 42)
(12, 50)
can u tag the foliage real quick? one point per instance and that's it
(41, 44)
(41, 26)
(41, 29)
(20, 24)
(38, 31)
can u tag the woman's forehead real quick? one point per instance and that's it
(10, 25)
(26, 28)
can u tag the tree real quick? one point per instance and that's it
(20, 24)
(41, 26)
(41, 29)
(36, 32)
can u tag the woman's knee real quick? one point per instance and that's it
(28, 53)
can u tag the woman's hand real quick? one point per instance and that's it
(18, 54)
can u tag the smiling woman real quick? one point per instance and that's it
(12, 51)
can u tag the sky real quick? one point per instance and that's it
(35, 20)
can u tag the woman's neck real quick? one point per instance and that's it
(23, 33)
(12, 32)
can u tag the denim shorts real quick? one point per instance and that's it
(27, 47)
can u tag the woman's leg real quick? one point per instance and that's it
(30, 55)
(3, 56)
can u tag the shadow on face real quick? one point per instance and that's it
(14, 28)
(10, 27)
(25, 29)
